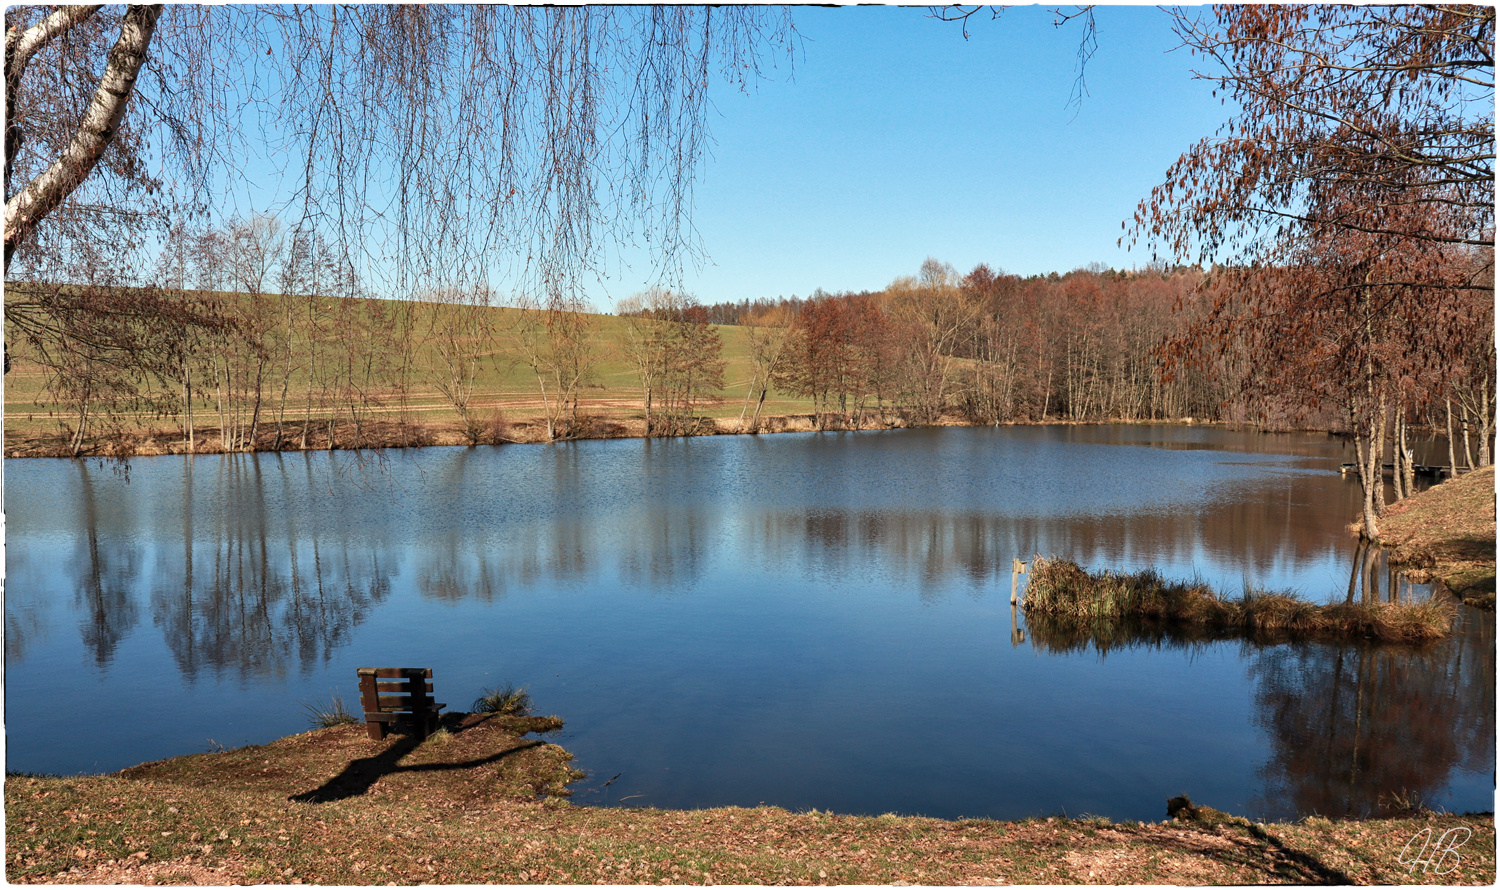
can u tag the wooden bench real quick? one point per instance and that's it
(391, 694)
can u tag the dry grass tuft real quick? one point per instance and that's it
(321, 715)
(1073, 604)
(505, 699)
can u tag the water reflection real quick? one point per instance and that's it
(251, 592)
(254, 574)
(106, 571)
(827, 575)
(932, 549)
(1356, 730)
(1371, 569)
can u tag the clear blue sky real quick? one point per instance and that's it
(896, 139)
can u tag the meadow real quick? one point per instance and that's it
(374, 362)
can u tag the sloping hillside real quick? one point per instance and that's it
(1447, 533)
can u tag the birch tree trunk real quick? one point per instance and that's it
(1464, 423)
(1377, 451)
(1452, 457)
(100, 122)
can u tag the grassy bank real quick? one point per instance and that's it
(1065, 594)
(514, 423)
(1447, 534)
(333, 807)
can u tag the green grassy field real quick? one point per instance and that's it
(506, 386)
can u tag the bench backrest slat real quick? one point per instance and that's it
(395, 688)
(415, 691)
(400, 703)
(394, 673)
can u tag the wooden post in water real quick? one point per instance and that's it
(1017, 569)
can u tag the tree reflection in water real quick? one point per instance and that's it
(109, 572)
(254, 593)
(1357, 729)
(274, 564)
(1354, 729)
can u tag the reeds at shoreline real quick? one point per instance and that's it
(1065, 593)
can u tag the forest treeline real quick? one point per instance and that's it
(985, 347)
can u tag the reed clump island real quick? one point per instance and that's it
(1063, 593)
(479, 802)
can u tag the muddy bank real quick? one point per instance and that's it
(398, 434)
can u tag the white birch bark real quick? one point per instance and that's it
(101, 121)
(20, 47)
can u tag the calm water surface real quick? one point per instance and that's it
(807, 620)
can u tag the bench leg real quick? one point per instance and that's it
(375, 729)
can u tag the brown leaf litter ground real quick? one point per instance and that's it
(480, 803)
(1447, 534)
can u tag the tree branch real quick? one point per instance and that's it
(20, 46)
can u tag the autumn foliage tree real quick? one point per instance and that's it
(839, 354)
(988, 347)
(1348, 205)
(1352, 119)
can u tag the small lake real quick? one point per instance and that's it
(814, 620)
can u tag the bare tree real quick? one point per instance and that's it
(678, 355)
(931, 314)
(694, 367)
(175, 266)
(555, 339)
(67, 114)
(102, 350)
(305, 271)
(461, 342)
(252, 252)
(767, 338)
(647, 333)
